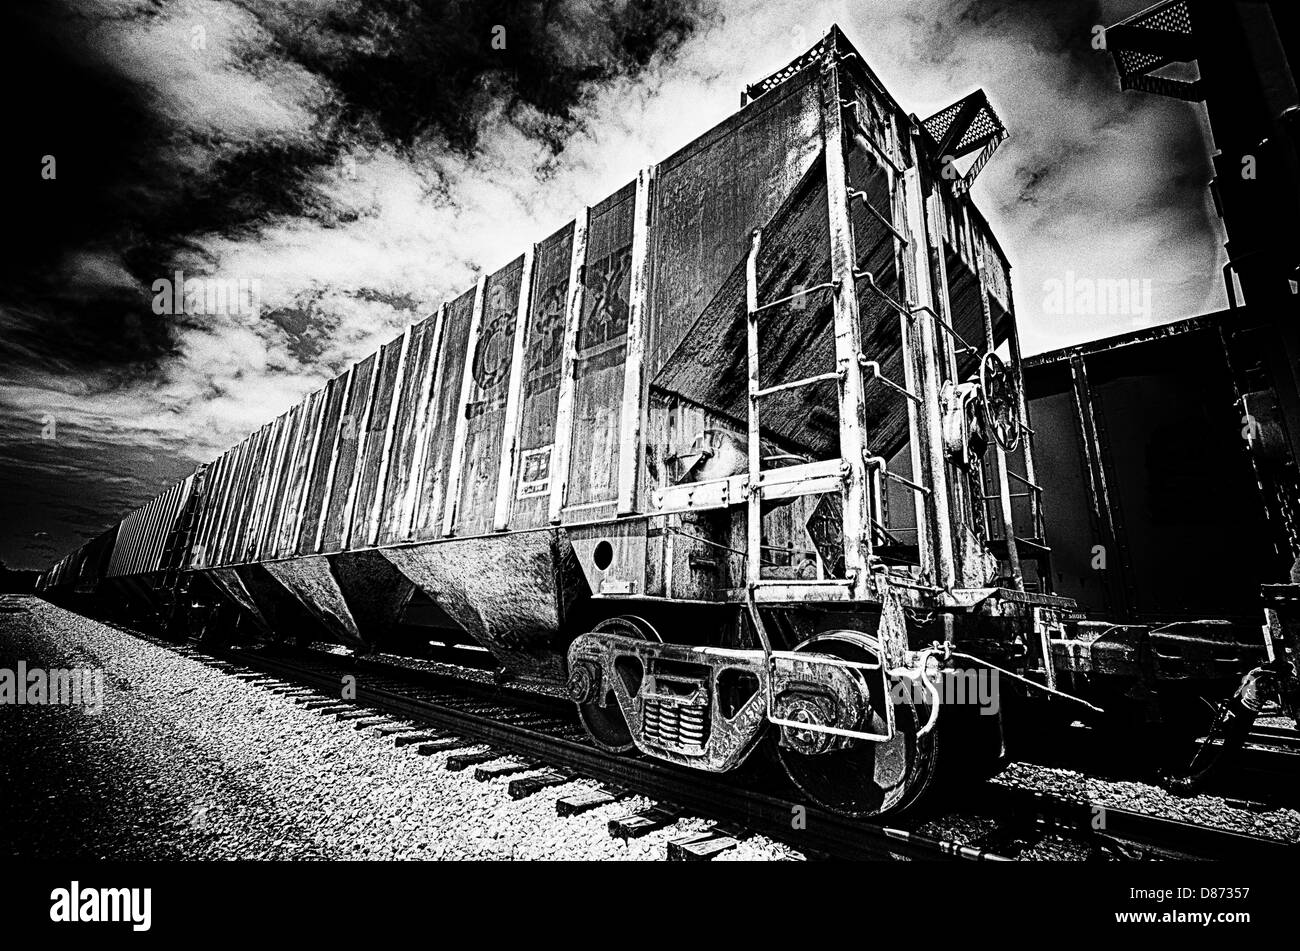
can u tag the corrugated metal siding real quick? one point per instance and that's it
(143, 534)
(209, 511)
(409, 423)
(247, 489)
(297, 465)
(217, 552)
(352, 433)
(542, 361)
(372, 451)
(275, 498)
(263, 477)
(485, 408)
(602, 352)
(445, 412)
(327, 442)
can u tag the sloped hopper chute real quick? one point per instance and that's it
(313, 584)
(508, 593)
(709, 366)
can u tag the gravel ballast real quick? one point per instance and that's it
(187, 762)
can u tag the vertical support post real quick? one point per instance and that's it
(1004, 496)
(423, 423)
(266, 491)
(848, 339)
(510, 425)
(568, 366)
(1031, 467)
(275, 527)
(635, 386)
(318, 423)
(936, 473)
(451, 501)
(911, 375)
(332, 474)
(754, 511)
(363, 438)
(249, 498)
(377, 504)
(219, 480)
(228, 505)
(935, 216)
(990, 344)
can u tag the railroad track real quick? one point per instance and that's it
(1266, 767)
(536, 743)
(1115, 831)
(537, 740)
(538, 735)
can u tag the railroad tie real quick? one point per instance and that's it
(508, 768)
(354, 714)
(446, 743)
(395, 727)
(586, 801)
(365, 723)
(459, 761)
(703, 846)
(644, 822)
(324, 704)
(418, 736)
(528, 785)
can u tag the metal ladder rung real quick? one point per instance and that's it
(1024, 481)
(861, 195)
(874, 367)
(942, 323)
(875, 151)
(871, 283)
(883, 465)
(795, 384)
(797, 294)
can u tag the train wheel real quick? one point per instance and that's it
(606, 724)
(867, 779)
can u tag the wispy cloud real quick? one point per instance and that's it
(362, 161)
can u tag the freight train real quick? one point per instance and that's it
(740, 458)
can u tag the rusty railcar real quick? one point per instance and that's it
(730, 456)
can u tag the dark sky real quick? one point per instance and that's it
(354, 162)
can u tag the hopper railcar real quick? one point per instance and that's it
(739, 457)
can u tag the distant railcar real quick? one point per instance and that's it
(1156, 445)
(732, 456)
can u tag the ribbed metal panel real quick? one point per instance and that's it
(142, 535)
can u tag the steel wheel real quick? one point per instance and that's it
(606, 724)
(867, 779)
(1000, 404)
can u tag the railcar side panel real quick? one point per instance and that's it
(601, 355)
(412, 407)
(446, 411)
(352, 432)
(327, 442)
(371, 459)
(541, 382)
(712, 194)
(485, 410)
